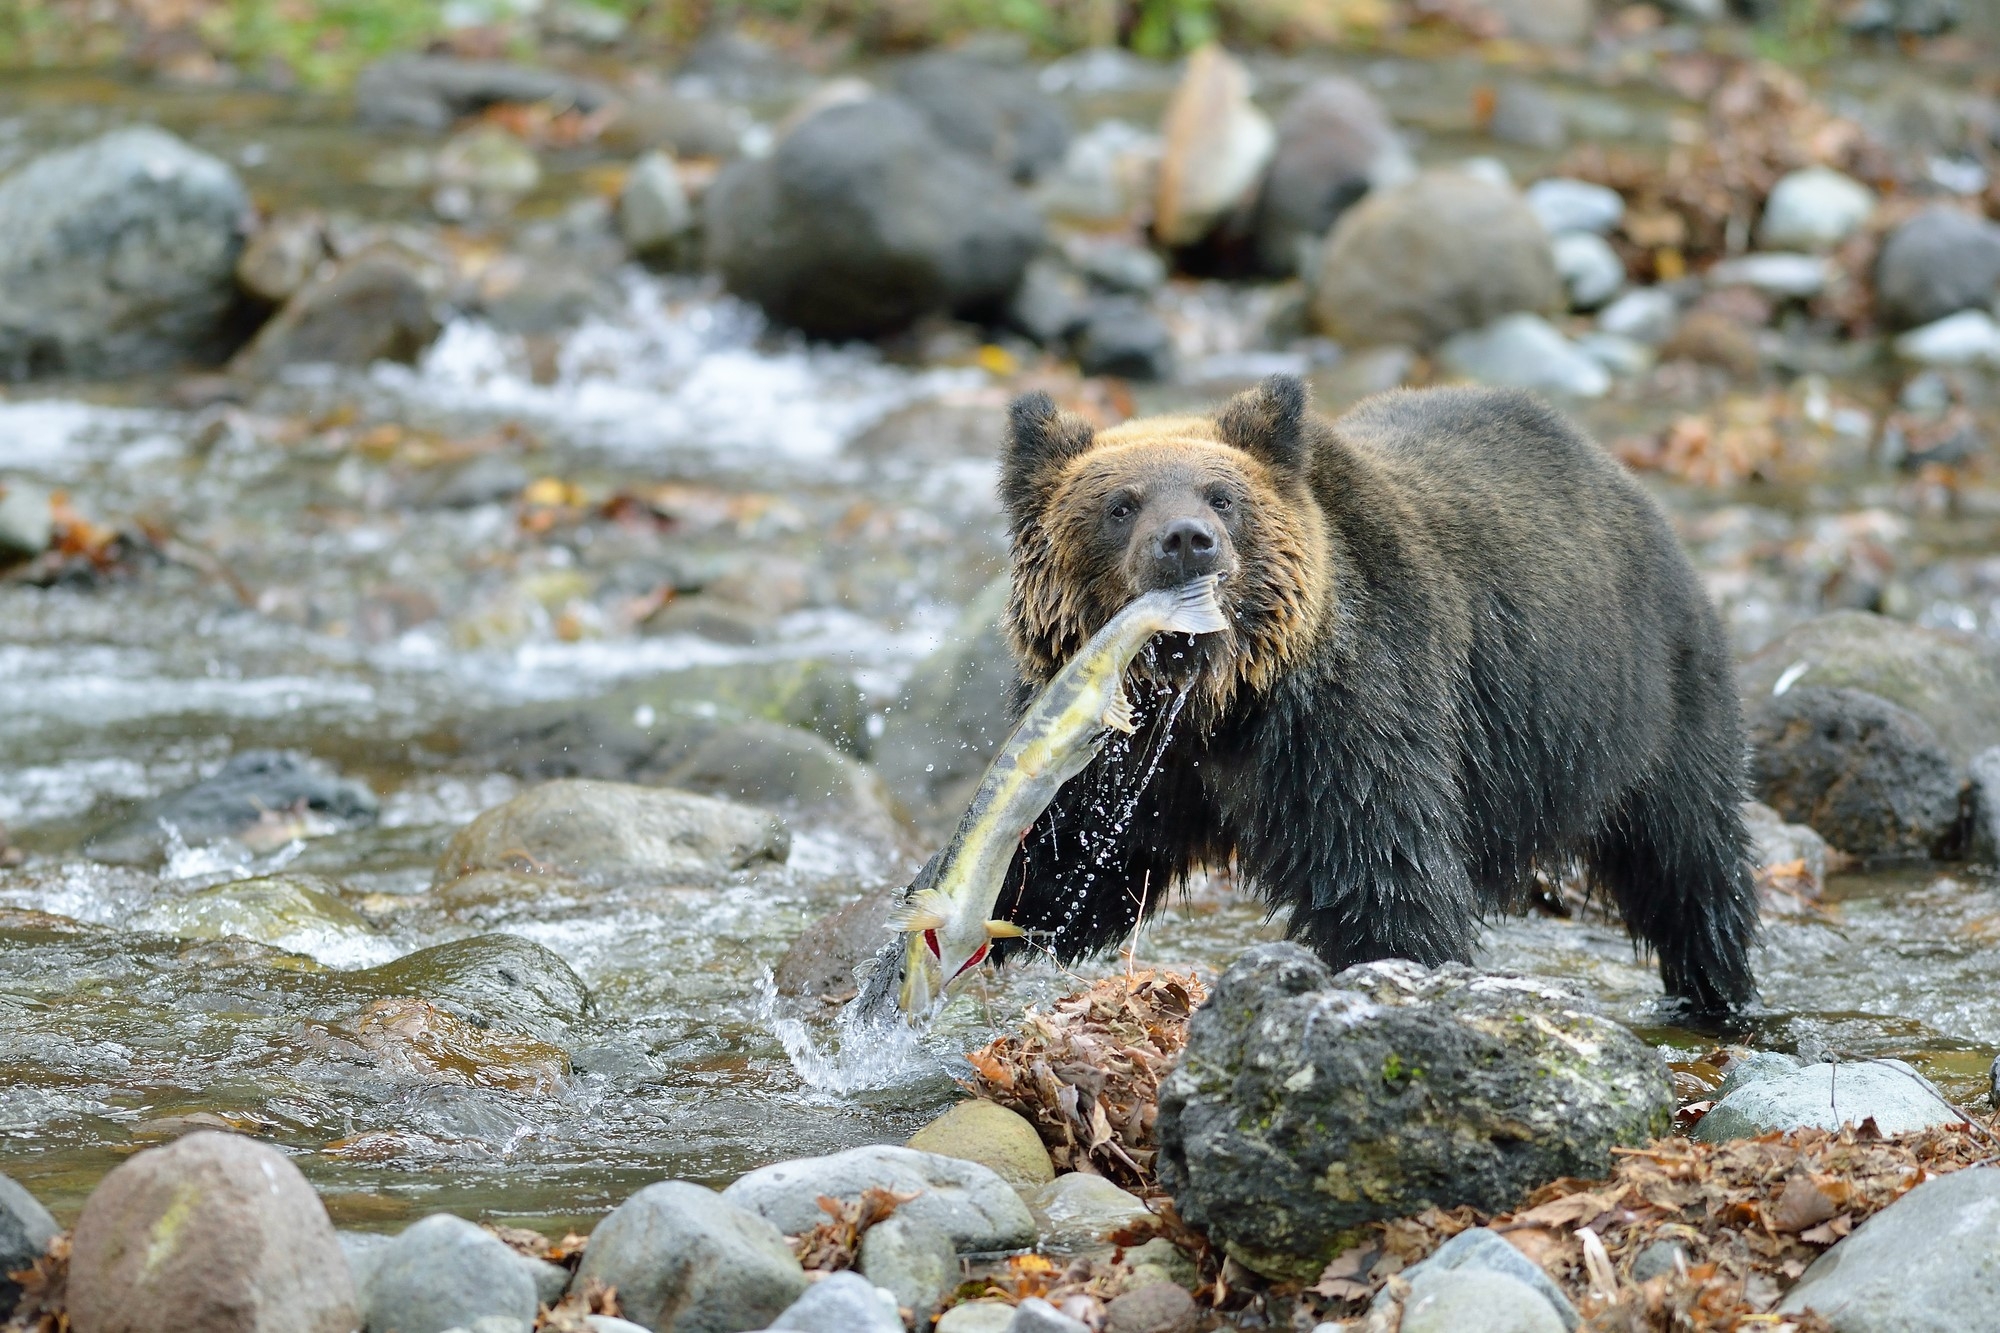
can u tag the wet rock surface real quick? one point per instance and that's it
(214, 1232)
(121, 256)
(258, 791)
(1307, 1104)
(374, 307)
(1870, 777)
(1334, 144)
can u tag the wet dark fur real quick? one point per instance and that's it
(1503, 661)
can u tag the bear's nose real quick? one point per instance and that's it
(1183, 549)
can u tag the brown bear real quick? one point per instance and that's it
(1463, 644)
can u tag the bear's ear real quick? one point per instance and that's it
(1040, 439)
(1269, 423)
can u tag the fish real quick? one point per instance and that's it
(946, 915)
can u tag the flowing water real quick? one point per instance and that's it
(316, 596)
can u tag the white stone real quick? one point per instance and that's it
(1591, 270)
(1619, 355)
(1968, 338)
(1217, 145)
(1524, 351)
(1564, 204)
(1814, 209)
(1646, 315)
(1775, 273)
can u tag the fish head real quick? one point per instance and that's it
(937, 960)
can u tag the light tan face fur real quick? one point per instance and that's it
(1080, 557)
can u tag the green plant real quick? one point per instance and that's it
(1167, 27)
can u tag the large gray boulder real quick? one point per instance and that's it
(25, 1231)
(1825, 1096)
(1335, 143)
(863, 220)
(444, 1273)
(1870, 777)
(1440, 254)
(995, 113)
(1941, 261)
(120, 256)
(686, 1260)
(1928, 1263)
(212, 1232)
(1307, 1104)
(964, 1200)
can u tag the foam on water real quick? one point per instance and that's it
(54, 436)
(863, 1053)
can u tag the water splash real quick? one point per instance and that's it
(865, 1052)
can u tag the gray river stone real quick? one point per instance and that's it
(1647, 315)
(968, 1202)
(1484, 1251)
(988, 111)
(120, 256)
(614, 834)
(429, 92)
(686, 1260)
(1475, 1301)
(213, 1232)
(25, 1231)
(1564, 204)
(1826, 1096)
(915, 1263)
(495, 980)
(1928, 1263)
(653, 209)
(1940, 262)
(863, 220)
(1077, 1210)
(1123, 337)
(375, 306)
(252, 785)
(27, 520)
(1591, 270)
(1335, 143)
(1524, 351)
(443, 1273)
(1036, 1315)
(1306, 1105)
(1870, 777)
(1814, 208)
(1152, 1307)
(1983, 838)
(843, 1303)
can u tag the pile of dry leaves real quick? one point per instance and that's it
(1087, 1073)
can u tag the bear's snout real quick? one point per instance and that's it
(1182, 549)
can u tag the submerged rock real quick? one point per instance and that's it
(821, 961)
(120, 256)
(1940, 262)
(25, 1232)
(211, 1232)
(1217, 144)
(966, 1201)
(445, 1273)
(863, 220)
(1870, 777)
(993, 1136)
(613, 834)
(1825, 1096)
(1441, 254)
(277, 793)
(686, 1260)
(1307, 1104)
(1334, 144)
(499, 981)
(1928, 1263)
(295, 912)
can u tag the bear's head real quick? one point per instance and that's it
(1099, 517)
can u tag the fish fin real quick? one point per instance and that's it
(925, 910)
(1196, 610)
(1119, 716)
(1003, 930)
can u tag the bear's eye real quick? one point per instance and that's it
(1221, 502)
(1121, 509)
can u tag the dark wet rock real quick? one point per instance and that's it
(991, 1135)
(1928, 1263)
(915, 1264)
(1480, 1250)
(1870, 777)
(1051, 303)
(862, 221)
(27, 523)
(1523, 114)
(25, 1231)
(211, 1232)
(1950, 680)
(251, 788)
(1079, 1211)
(444, 1273)
(686, 1260)
(1825, 1096)
(1308, 1104)
(376, 306)
(612, 834)
(500, 981)
(1443, 253)
(1941, 261)
(953, 713)
(429, 92)
(120, 256)
(547, 298)
(410, 1041)
(654, 215)
(822, 960)
(1216, 146)
(1157, 1307)
(1335, 143)
(1460, 1300)
(786, 768)
(284, 255)
(1983, 834)
(966, 1201)
(991, 112)
(1122, 336)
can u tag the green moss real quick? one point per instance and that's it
(1394, 1071)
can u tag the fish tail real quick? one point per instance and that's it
(1195, 609)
